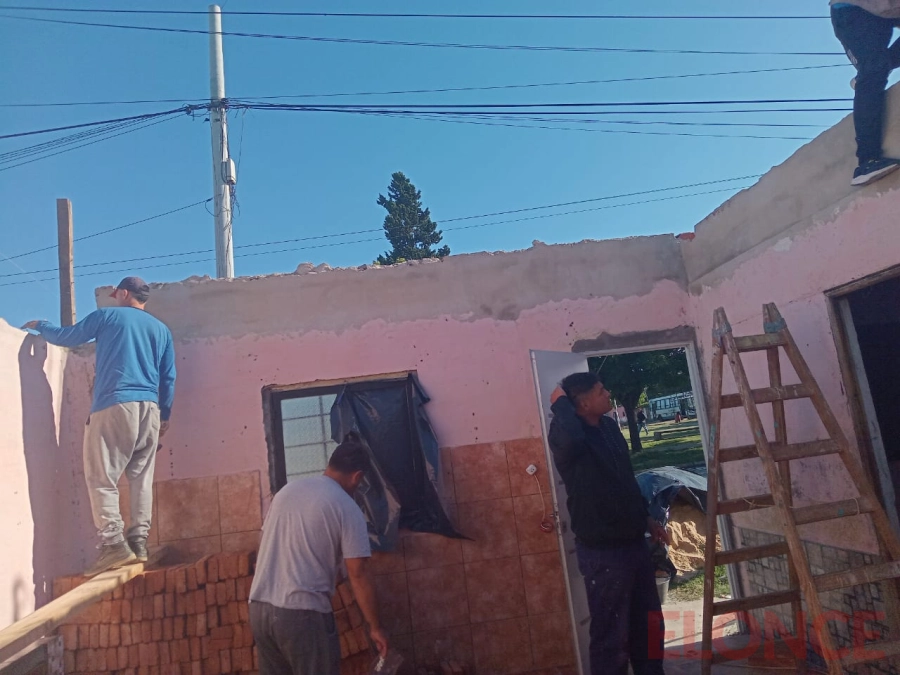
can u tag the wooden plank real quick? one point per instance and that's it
(872, 652)
(66, 263)
(858, 576)
(767, 395)
(751, 553)
(804, 515)
(781, 453)
(43, 621)
(756, 602)
(757, 343)
(742, 504)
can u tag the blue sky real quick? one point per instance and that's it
(308, 174)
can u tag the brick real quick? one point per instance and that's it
(210, 591)
(139, 586)
(200, 571)
(70, 637)
(125, 630)
(345, 648)
(342, 621)
(119, 593)
(225, 661)
(68, 662)
(104, 636)
(222, 633)
(192, 578)
(112, 659)
(84, 637)
(212, 617)
(199, 600)
(134, 656)
(170, 580)
(137, 610)
(217, 645)
(241, 589)
(243, 564)
(61, 586)
(246, 659)
(346, 594)
(168, 632)
(211, 665)
(248, 635)
(195, 649)
(190, 626)
(361, 639)
(230, 590)
(244, 612)
(126, 611)
(178, 627)
(190, 604)
(144, 655)
(128, 591)
(336, 603)
(169, 604)
(196, 669)
(220, 593)
(237, 640)
(355, 615)
(184, 651)
(156, 630)
(95, 636)
(212, 570)
(149, 609)
(234, 612)
(180, 604)
(146, 631)
(159, 606)
(115, 635)
(255, 658)
(106, 611)
(97, 660)
(352, 646)
(181, 580)
(200, 625)
(165, 656)
(82, 663)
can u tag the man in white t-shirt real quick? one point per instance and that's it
(312, 525)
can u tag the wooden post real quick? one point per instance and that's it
(66, 263)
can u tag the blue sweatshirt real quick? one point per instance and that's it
(135, 356)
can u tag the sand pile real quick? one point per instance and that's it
(687, 529)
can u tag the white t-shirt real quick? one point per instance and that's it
(311, 527)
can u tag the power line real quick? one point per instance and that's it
(374, 230)
(146, 116)
(113, 229)
(373, 15)
(442, 89)
(410, 43)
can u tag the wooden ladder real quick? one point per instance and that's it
(776, 458)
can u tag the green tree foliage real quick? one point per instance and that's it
(633, 379)
(407, 226)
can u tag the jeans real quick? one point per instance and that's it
(866, 39)
(295, 641)
(121, 439)
(623, 602)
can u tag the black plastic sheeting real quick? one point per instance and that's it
(660, 487)
(402, 488)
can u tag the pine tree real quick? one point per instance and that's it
(410, 230)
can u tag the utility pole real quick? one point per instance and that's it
(66, 263)
(224, 175)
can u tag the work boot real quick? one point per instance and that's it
(139, 546)
(111, 557)
(873, 169)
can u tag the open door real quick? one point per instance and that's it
(549, 370)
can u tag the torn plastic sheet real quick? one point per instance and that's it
(403, 487)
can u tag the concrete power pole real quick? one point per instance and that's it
(224, 174)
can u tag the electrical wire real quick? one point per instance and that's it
(411, 43)
(406, 15)
(146, 116)
(440, 90)
(374, 230)
(548, 523)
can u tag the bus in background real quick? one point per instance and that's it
(665, 407)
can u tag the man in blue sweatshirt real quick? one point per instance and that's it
(134, 387)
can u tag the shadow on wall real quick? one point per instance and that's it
(19, 591)
(41, 457)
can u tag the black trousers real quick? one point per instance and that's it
(867, 40)
(295, 641)
(623, 601)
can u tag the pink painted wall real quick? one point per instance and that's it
(34, 472)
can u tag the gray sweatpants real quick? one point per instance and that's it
(121, 439)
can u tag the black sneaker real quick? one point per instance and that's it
(111, 557)
(139, 546)
(873, 169)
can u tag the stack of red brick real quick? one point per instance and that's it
(188, 620)
(191, 619)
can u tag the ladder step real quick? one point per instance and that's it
(858, 576)
(781, 453)
(751, 553)
(742, 504)
(755, 602)
(769, 394)
(756, 343)
(872, 652)
(803, 515)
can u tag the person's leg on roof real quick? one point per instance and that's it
(140, 477)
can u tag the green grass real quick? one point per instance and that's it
(683, 447)
(693, 588)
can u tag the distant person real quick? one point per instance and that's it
(677, 418)
(609, 519)
(312, 525)
(864, 28)
(134, 387)
(642, 421)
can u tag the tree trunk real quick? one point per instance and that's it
(634, 431)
